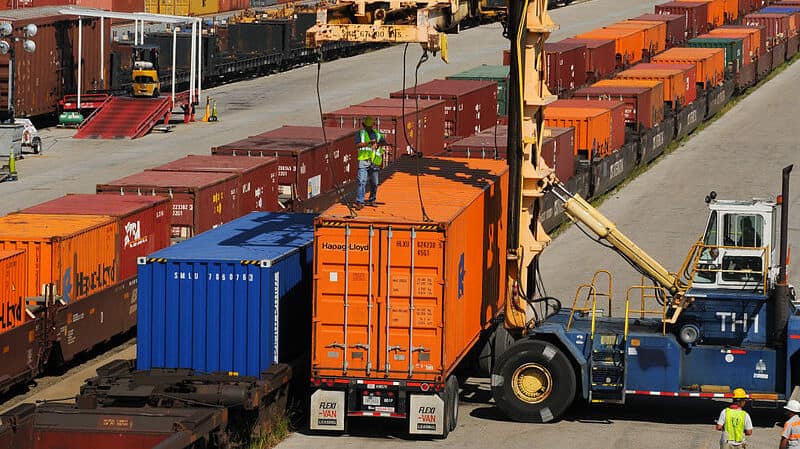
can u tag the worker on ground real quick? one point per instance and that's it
(369, 143)
(790, 438)
(735, 423)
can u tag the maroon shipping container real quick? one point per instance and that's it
(425, 127)
(778, 26)
(200, 201)
(303, 155)
(617, 116)
(695, 15)
(644, 107)
(470, 105)
(257, 178)
(601, 57)
(676, 26)
(144, 221)
(557, 148)
(565, 64)
(43, 77)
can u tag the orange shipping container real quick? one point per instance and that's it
(654, 33)
(592, 128)
(752, 44)
(674, 83)
(13, 276)
(710, 63)
(77, 253)
(731, 10)
(400, 300)
(716, 11)
(627, 42)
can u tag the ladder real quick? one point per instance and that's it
(607, 364)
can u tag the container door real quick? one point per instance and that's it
(345, 300)
(410, 302)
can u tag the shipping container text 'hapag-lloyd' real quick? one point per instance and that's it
(87, 282)
(422, 246)
(10, 313)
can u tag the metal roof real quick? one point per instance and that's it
(88, 12)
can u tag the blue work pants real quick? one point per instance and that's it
(367, 174)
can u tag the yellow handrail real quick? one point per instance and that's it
(592, 294)
(643, 311)
(610, 287)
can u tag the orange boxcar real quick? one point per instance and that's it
(731, 10)
(689, 76)
(616, 107)
(13, 277)
(654, 33)
(399, 300)
(592, 128)
(716, 11)
(77, 253)
(710, 63)
(754, 42)
(627, 42)
(673, 79)
(657, 86)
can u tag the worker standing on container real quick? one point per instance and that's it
(369, 142)
(735, 423)
(790, 438)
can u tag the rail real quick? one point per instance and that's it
(591, 297)
(96, 111)
(695, 266)
(657, 292)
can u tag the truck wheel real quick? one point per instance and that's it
(156, 93)
(453, 385)
(37, 146)
(533, 382)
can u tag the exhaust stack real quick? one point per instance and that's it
(779, 300)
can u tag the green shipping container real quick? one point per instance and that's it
(498, 73)
(732, 46)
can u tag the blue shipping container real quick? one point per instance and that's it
(234, 299)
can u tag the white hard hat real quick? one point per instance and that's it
(793, 406)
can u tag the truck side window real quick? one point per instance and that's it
(743, 230)
(709, 239)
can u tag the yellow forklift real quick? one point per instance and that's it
(144, 76)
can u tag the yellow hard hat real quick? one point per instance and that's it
(368, 121)
(739, 393)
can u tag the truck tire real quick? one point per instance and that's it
(453, 386)
(533, 381)
(156, 93)
(37, 146)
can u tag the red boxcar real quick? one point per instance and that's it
(601, 56)
(144, 221)
(303, 154)
(676, 26)
(565, 65)
(257, 178)
(696, 15)
(405, 128)
(470, 105)
(200, 201)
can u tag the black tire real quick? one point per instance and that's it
(37, 146)
(156, 93)
(453, 386)
(447, 398)
(543, 363)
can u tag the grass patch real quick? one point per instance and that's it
(640, 169)
(280, 427)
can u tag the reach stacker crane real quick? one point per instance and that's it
(726, 319)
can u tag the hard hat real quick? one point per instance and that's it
(792, 406)
(739, 393)
(368, 121)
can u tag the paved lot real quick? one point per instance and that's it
(739, 156)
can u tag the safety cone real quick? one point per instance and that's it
(208, 110)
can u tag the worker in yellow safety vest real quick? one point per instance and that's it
(369, 142)
(735, 423)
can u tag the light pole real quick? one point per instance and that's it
(7, 48)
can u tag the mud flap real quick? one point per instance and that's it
(426, 415)
(327, 410)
